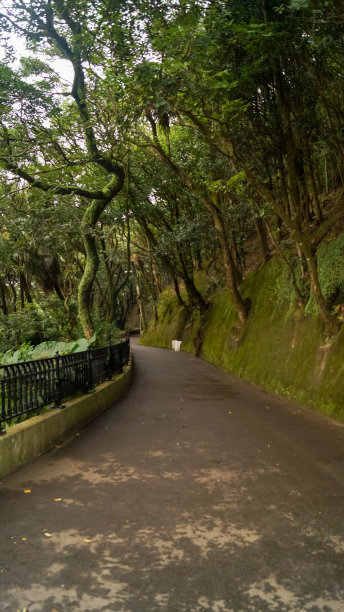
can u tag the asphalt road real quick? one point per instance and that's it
(195, 493)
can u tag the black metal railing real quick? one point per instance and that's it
(30, 386)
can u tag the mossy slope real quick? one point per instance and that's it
(281, 349)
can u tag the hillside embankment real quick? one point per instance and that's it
(282, 349)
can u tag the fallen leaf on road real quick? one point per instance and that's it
(27, 491)
(177, 444)
(24, 539)
(58, 499)
(229, 412)
(87, 540)
(47, 534)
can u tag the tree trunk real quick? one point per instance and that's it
(156, 277)
(91, 216)
(14, 295)
(292, 224)
(261, 233)
(285, 259)
(196, 300)
(86, 285)
(302, 245)
(179, 297)
(311, 179)
(3, 297)
(230, 268)
(24, 290)
(88, 225)
(330, 323)
(143, 323)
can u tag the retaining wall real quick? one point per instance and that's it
(37, 435)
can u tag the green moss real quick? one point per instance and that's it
(190, 332)
(281, 349)
(220, 331)
(171, 322)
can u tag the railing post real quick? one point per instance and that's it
(2, 405)
(109, 364)
(89, 369)
(59, 393)
(125, 351)
(120, 350)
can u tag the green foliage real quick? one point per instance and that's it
(299, 4)
(27, 352)
(235, 98)
(38, 321)
(108, 333)
(285, 295)
(330, 259)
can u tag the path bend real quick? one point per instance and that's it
(197, 492)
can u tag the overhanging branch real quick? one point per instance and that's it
(50, 187)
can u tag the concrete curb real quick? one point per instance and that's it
(24, 442)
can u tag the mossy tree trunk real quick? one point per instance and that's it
(195, 298)
(168, 263)
(57, 24)
(3, 297)
(232, 274)
(91, 267)
(88, 226)
(143, 322)
(302, 243)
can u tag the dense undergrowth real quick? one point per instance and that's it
(283, 347)
(29, 352)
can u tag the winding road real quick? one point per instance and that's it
(197, 492)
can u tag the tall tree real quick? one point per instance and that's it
(231, 72)
(60, 139)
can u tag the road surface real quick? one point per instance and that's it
(195, 493)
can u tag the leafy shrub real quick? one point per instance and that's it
(38, 322)
(27, 352)
(108, 333)
(284, 293)
(330, 259)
